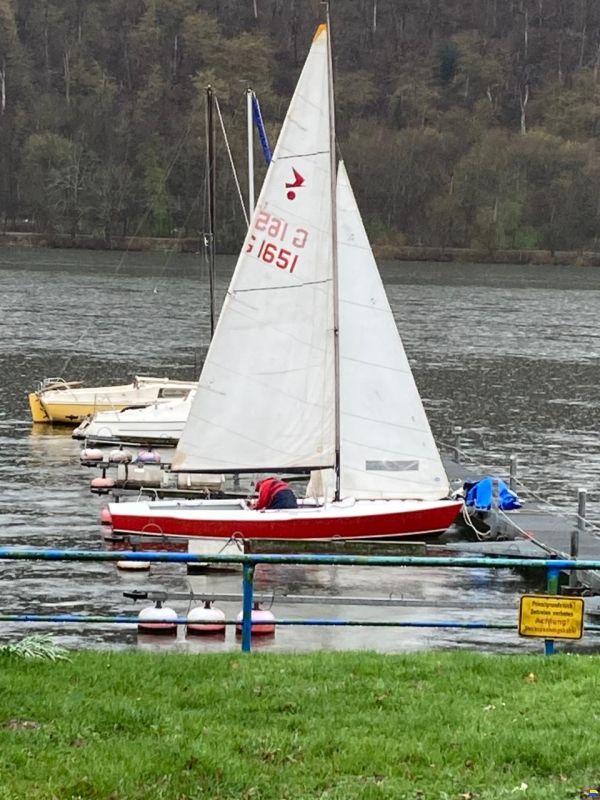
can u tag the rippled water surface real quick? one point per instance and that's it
(509, 353)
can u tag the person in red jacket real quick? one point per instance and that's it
(273, 493)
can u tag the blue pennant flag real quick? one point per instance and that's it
(260, 127)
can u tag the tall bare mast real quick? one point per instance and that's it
(211, 185)
(250, 128)
(334, 254)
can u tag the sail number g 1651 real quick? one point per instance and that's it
(272, 252)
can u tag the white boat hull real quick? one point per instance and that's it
(65, 403)
(158, 424)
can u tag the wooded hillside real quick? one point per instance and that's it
(462, 122)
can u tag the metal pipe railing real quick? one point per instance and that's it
(49, 554)
(552, 567)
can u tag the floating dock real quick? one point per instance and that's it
(537, 530)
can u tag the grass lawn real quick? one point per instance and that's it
(326, 725)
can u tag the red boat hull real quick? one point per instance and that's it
(430, 520)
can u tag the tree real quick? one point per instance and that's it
(101, 104)
(8, 43)
(54, 179)
(159, 201)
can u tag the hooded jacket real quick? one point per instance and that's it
(267, 489)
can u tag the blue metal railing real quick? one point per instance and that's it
(552, 567)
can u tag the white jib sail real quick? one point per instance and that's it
(265, 398)
(387, 448)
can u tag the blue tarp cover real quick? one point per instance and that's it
(479, 495)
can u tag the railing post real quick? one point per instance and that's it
(512, 481)
(248, 602)
(457, 430)
(494, 509)
(576, 533)
(552, 588)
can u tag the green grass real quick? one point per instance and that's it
(327, 725)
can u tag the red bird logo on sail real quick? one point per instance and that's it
(295, 184)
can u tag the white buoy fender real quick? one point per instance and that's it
(157, 619)
(120, 456)
(148, 457)
(133, 566)
(91, 454)
(105, 516)
(263, 621)
(204, 620)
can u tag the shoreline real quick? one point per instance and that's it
(383, 252)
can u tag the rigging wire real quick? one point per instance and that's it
(231, 161)
(175, 248)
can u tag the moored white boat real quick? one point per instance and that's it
(306, 370)
(160, 423)
(59, 401)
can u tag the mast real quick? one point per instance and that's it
(211, 185)
(249, 120)
(334, 257)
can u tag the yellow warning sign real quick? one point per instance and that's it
(551, 617)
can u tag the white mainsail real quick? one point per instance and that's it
(265, 399)
(387, 448)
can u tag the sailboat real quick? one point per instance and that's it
(157, 424)
(306, 371)
(69, 403)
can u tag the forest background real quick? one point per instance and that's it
(463, 123)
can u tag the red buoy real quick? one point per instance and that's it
(91, 454)
(101, 485)
(263, 621)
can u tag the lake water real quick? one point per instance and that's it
(510, 353)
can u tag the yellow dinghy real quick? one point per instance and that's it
(69, 403)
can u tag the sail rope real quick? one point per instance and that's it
(524, 533)
(559, 512)
(483, 536)
(231, 162)
(480, 535)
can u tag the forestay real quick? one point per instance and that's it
(265, 398)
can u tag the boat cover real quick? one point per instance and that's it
(478, 495)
